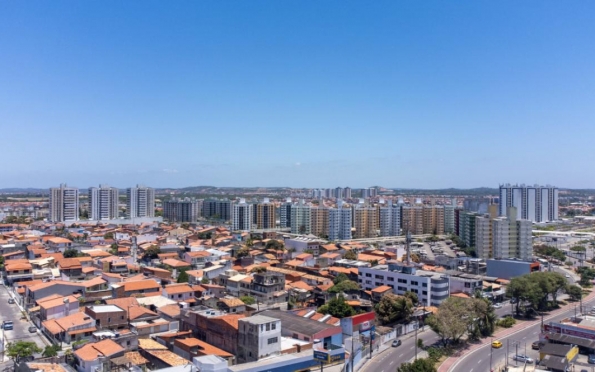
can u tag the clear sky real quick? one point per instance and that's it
(426, 94)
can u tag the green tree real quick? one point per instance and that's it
(152, 252)
(392, 308)
(525, 291)
(21, 349)
(578, 248)
(108, 236)
(574, 292)
(70, 253)
(419, 365)
(412, 296)
(1, 262)
(248, 300)
(183, 277)
(185, 226)
(344, 286)
(337, 307)
(113, 248)
(340, 278)
(51, 351)
(350, 255)
(258, 269)
(452, 320)
(205, 280)
(483, 318)
(274, 244)
(244, 252)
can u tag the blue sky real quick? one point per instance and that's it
(297, 93)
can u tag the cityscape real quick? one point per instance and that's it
(297, 186)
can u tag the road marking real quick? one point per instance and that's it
(471, 370)
(524, 337)
(479, 361)
(411, 348)
(400, 356)
(391, 363)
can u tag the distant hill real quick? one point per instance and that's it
(24, 191)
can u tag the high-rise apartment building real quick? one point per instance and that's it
(241, 216)
(300, 218)
(390, 219)
(533, 203)
(219, 209)
(140, 202)
(338, 193)
(467, 228)
(285, 213)
(503, 237)
(364, 221)
(64, 204)
(370, 192)
(412, 219)
(181, 210)
(319, 221)
(265, 215)
(339, 222)
(433, 216)
(347, 193)
(103, 203)
(449, 216)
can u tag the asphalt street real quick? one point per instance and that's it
(479, 360)
(20, 332)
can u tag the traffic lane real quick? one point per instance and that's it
(20, 331)
(390, 359)
(525, 337)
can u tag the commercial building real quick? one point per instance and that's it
(140, 202)
(259, 337)
(534, 203)
(389, 219)
(64, 204)
(431, 288)
(241, 216)
(265, 215)
(103, 203)
(508, 269)
(339, 225)
(180, 210)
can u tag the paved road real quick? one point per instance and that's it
(20, 331)
(395, 356)
(479, 360)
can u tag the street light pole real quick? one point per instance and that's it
(416, 326)
(491, 352)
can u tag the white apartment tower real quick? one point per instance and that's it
(390, 220)
(241, 216)
(512, 237)
(300, 218)
(140, 202)
(285, 213)
(64, 204)
(449, 216)
(103, 203)
(534, 203)
(339, 225)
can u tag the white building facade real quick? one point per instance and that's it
(140, 202)
(241, 219)
(64, 204)
(534, 203)
(103, 203)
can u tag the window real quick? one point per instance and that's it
(273, 326)
(273, 340)
(390, 279)
(379, 277)
(268, 326)
(424, 284)
(368, 275)
(295, 335)
(306, 338)
(109, 320)
(424, 292)
(122, 317)
(413, 283)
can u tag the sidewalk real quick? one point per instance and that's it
(450, 362)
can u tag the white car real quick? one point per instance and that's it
(497, 305)
(523, 358)
(567, 276)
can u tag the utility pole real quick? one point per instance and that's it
(408, 241)
(491, 352)
(416, 326)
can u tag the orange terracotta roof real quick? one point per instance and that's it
(172, 310)
(106, 347)
(177, 288)
(204, 348)
(141, 284)
(381, 289)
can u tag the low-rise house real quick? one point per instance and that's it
(57, 306)
(74, 327)
(231, 305)
(148, 287)
(259, 337)
(179, 292)
(70, 269)
(97, 354)
(18, 271)
(145, 328)
(108, 316)
(214, 327)
(45, 289)
(55, 242)
(189, 348)
(96, 289)
(197, 258)
(172, 263)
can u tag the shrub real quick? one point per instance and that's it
(507, 322)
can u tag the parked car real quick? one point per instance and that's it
(536, 345)
(513, 300)
(497, 305)
(522, 358)
(11, 300)
(496, 344)
(7, 325)
(591, 359)
(567, 276)
(32, 329)
(396, 343)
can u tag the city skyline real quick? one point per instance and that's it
(305, 94)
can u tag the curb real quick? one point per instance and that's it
(456, 360)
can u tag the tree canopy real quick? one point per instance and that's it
(337, 307)
(21, 349)
(350, 255)
(344, 286)
(574, 292)
(274, 244)
(50, 351)
(248, 300)
(393, 308)
(419, 365)
(183, 277)
(339, 278)
(71, 253)
(532, 291)
(152, 252)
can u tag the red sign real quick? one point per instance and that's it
(361, 318)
